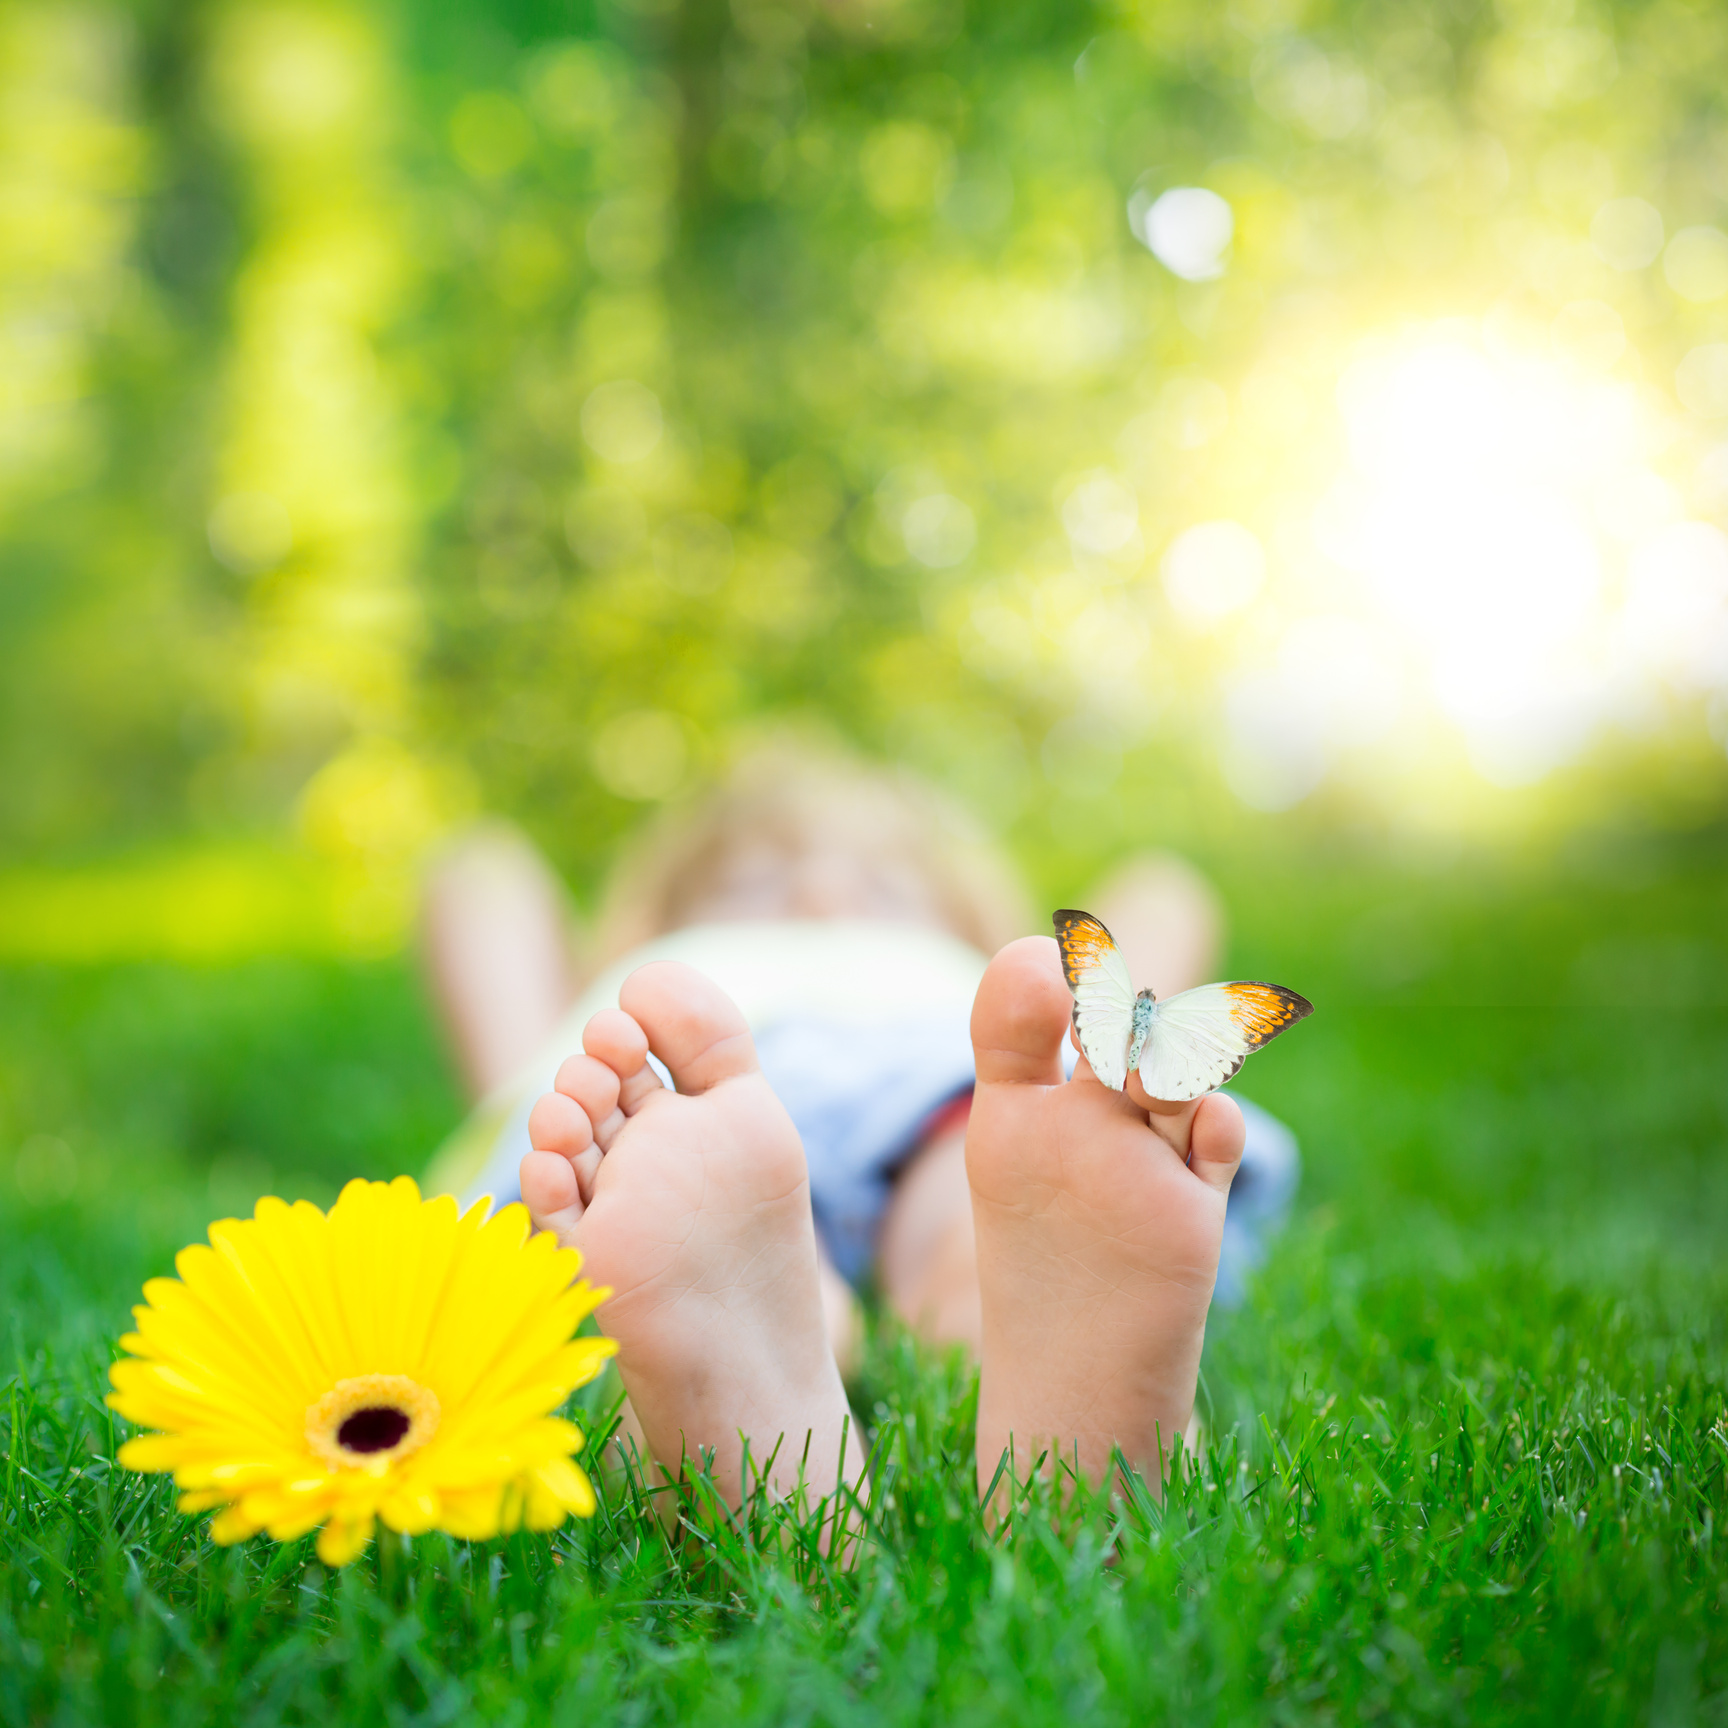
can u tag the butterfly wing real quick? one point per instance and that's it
(1103, 994)
(1201, 1037)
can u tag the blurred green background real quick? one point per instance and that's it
(1295, 435)
(1148, 421)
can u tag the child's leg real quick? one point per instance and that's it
(1167, 920)
(695, 1207)
(1099, 1218)
(926, 1257)
(842, 1319)
(496, 936)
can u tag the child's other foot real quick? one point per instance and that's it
(695, 1207)
(1099, 1218)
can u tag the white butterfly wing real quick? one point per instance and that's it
(1103, 994)
(1201, 1037)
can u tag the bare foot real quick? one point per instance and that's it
(695, 1207)
(1099, 1217)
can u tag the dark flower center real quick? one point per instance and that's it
(375, 1429)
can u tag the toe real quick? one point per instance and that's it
(615, 1039)
(559, 1128)
(551, 1194)
(1215, 1141)
(1021, 1015)
(595, 1087)
(692, 1025)
(559, 1124)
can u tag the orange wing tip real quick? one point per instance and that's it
(1082, 938)
(1265, 1010)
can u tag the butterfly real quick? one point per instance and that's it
(1184, 1046)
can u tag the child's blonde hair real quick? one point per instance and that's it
(797, 799)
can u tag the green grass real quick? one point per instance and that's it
(1468, 1450)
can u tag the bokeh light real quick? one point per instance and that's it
(1187, 229)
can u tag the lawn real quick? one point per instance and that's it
(1468, 1443)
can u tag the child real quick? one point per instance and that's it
(804, 957)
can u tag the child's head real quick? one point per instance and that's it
(797, 832)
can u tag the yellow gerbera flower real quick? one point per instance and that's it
(388, 1360)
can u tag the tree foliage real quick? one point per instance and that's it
(420, 408)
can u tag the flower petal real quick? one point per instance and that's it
(344, 1539)
(152, 1452)
(232, 1526)
(410, 1510)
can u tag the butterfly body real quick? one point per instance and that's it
(1189, 1044)
(1140, 1026)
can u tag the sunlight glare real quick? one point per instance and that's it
(1481, 515)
